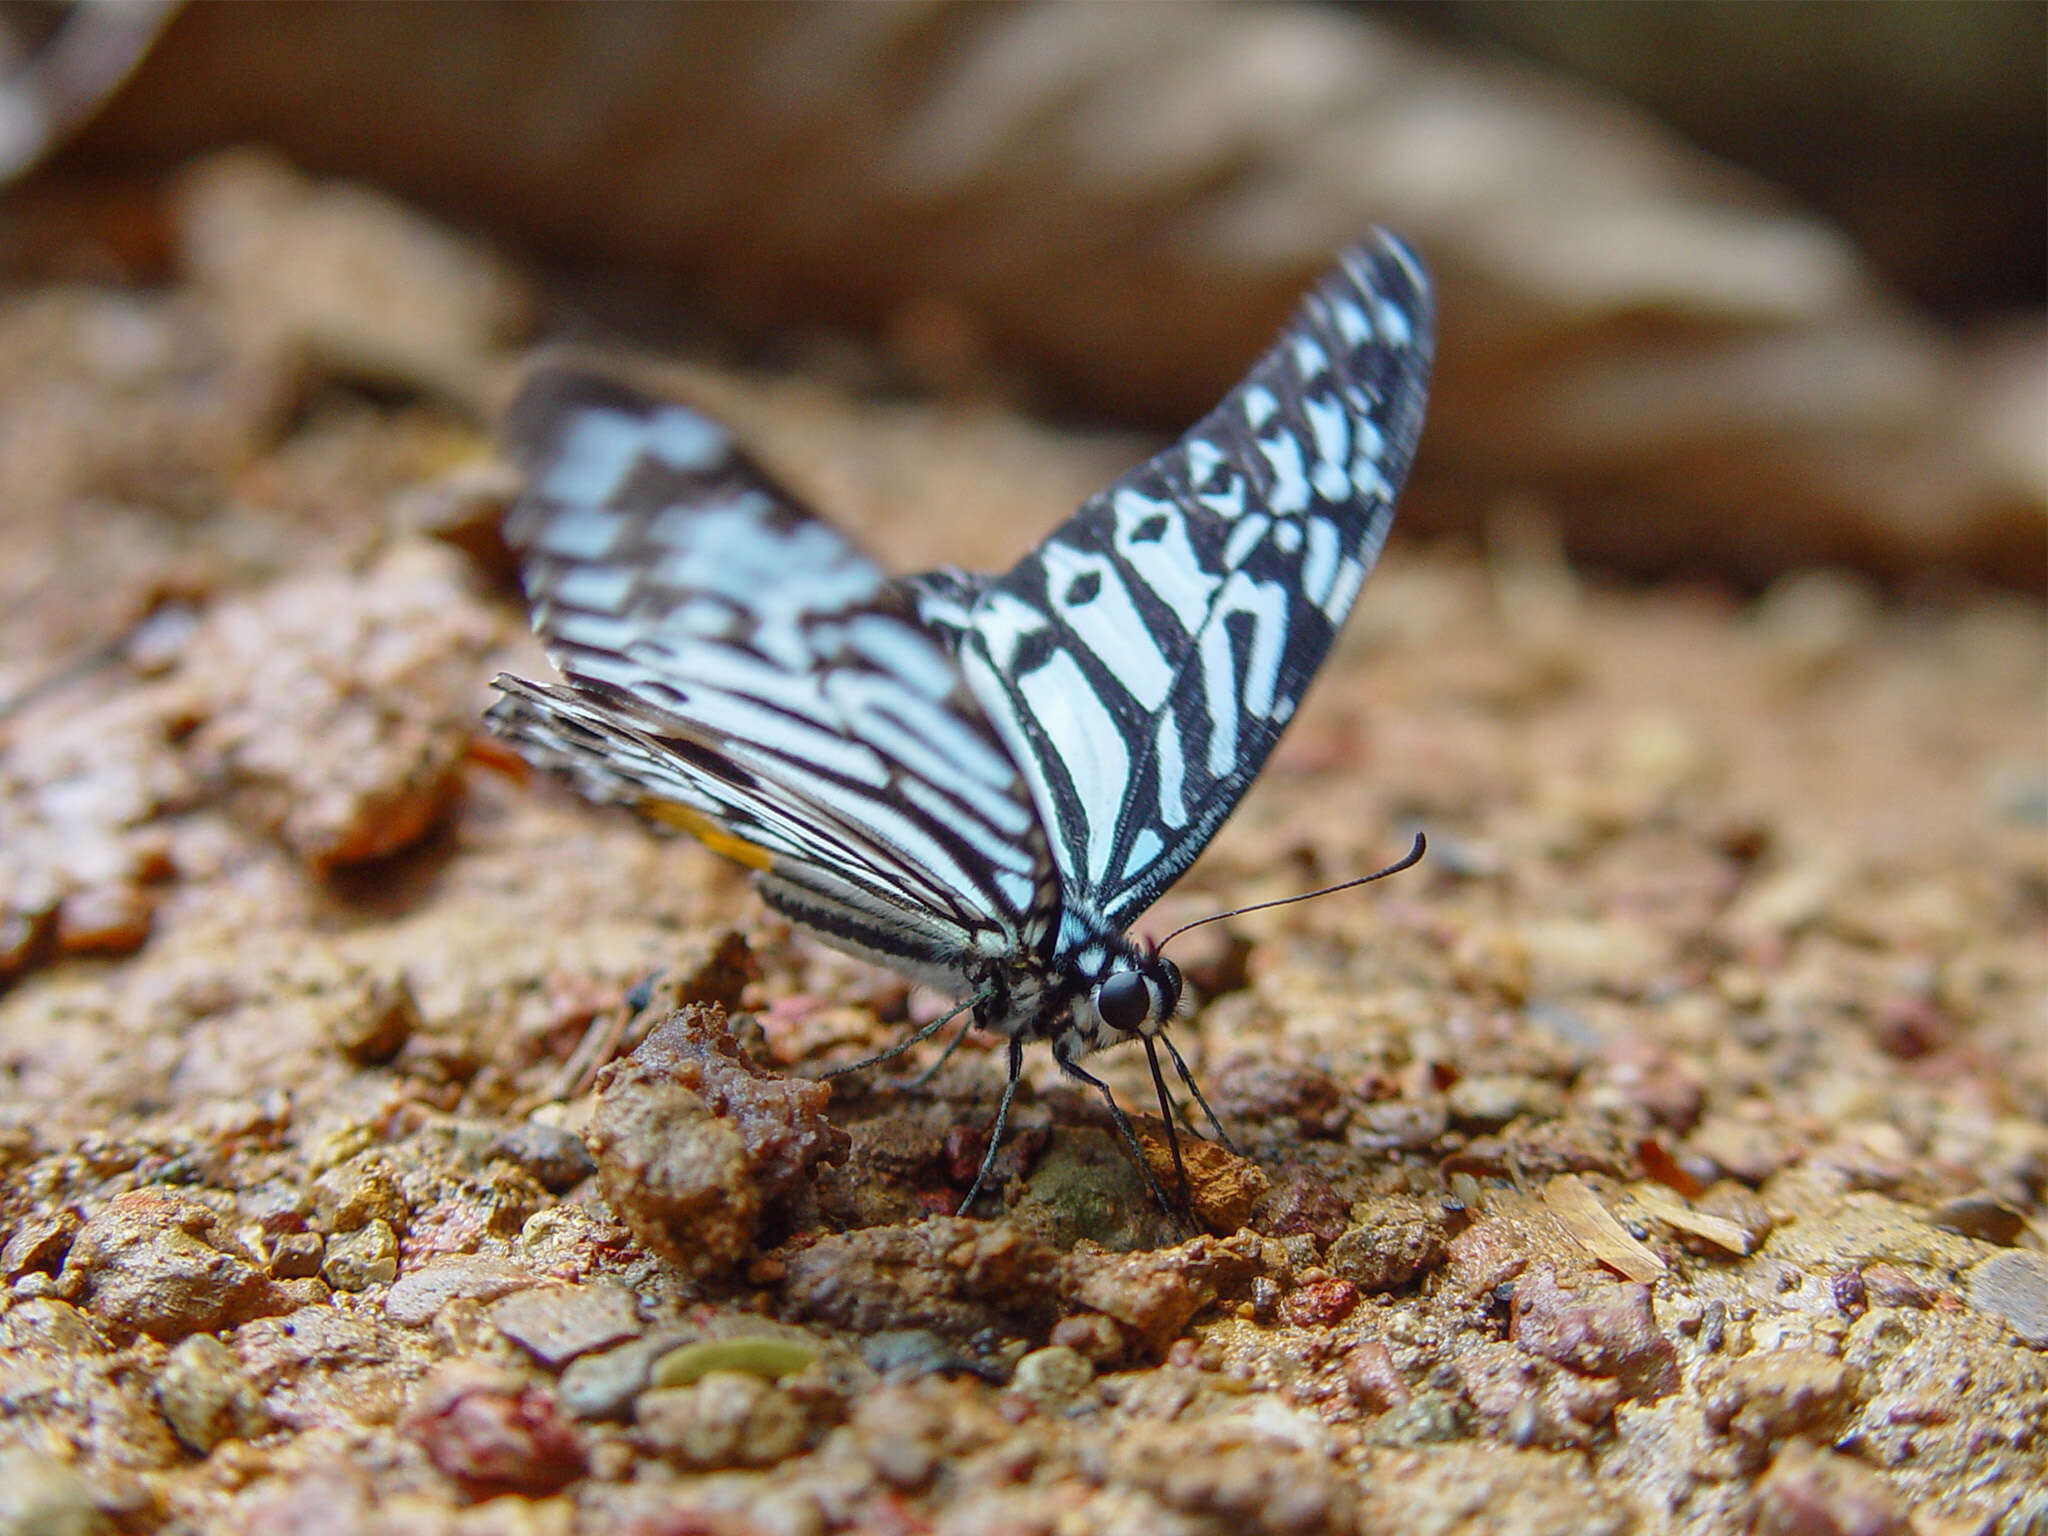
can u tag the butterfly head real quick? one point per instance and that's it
(1138, 995)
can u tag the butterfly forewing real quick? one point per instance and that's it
(734, 666)
(1142, 662)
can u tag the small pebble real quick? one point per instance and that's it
(1053, 1377)
(726, 1419)
(1981, 1216)
(1318, 1303)
(1600, 1329)
(298, 1255)
(108, 919)
(1427, 1418)
(556, 1323)
(360, 1259)
(1741, 1149)
(603, 1385)
(360, 1190)
(1398, 1241)
(493, 1432)
(1399, 1125)
(376, 1027)
(419, 1293)
(904, 1354)
(2013, 1286)
(1810, 1492)
(206, 1397)
(1487, 1103)
(1375, 1381)
(1812, 621)
(1302, 1206)
(1251, 1090)
(39, 1245)
(556, 1158)
(1887, 1285)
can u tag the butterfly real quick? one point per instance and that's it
(979, 780)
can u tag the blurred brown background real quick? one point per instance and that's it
(1726, 288)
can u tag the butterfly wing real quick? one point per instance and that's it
(734, 667)
(1142, 662)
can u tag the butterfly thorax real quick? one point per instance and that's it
(1081, 1000)
(1079, 986)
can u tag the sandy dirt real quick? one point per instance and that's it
(1668, 1152)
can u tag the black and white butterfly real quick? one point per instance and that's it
(978, 780)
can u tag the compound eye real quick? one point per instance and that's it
(1124, 1001)
(1169, 986)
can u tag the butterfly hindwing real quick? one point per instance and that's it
(735, 667)
(1143, 660)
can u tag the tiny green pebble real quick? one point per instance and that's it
(771, 1358)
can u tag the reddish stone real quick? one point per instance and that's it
(1318, 1304)
(493, 1433)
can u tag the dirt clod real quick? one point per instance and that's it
(694, 1143)
(336, 710)
(1598, 1330)
(728, 1419)
(947, 1275)
(1761, 1401)
(159, 1263)
(1399, 1241)
(1810, 1492)
(1053, 1377)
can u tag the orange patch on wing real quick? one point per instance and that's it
(706, 831)
(489, 752)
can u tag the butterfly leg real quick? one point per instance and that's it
(918, 1080)
(905, 1044)
(1195, 1088)
(1124, 1129)
(995, 1136)
(601, 1039)
(1166, 1117)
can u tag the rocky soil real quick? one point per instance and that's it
(1667, 1153)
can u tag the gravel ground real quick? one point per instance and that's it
(1667, 1153)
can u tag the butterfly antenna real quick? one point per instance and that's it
(1407, 861)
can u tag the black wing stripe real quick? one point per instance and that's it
(1144, 660)
(728, 653)
(810, 821)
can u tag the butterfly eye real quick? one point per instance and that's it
(1124, 1001)
(1169, 986)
